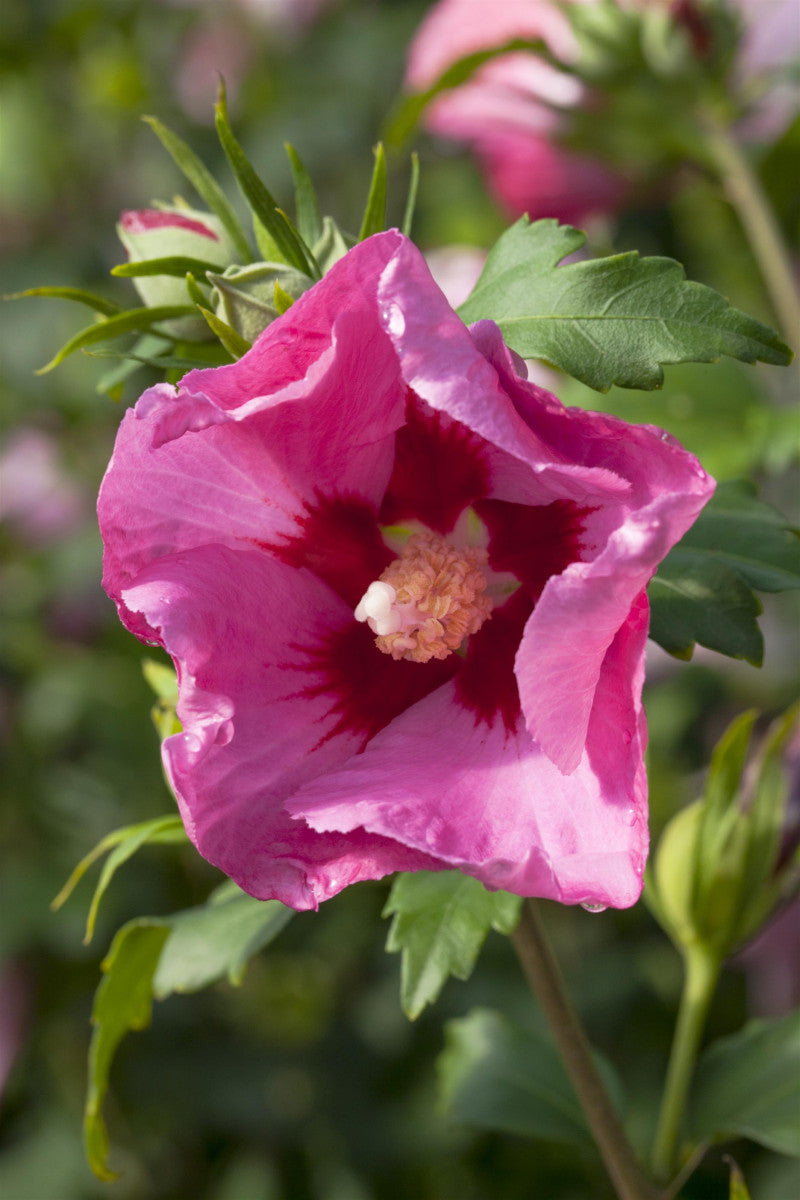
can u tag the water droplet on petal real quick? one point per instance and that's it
(594, 906)
(631, 816)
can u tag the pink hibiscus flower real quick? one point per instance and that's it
(504, 112)
(404, 592)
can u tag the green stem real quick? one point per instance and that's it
(546, 982)
(743, 189)
(702, 972)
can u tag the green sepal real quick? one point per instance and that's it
(245, 297)
(281, 233)
(374, 219)
(332, 245)
(441, 920)
(113, 327)
(97, 303)
(306, 204)
(738, 1187)
(175, 264)
(233, 342)
(164, 682)
(204, 184)
(715, 876)
(283, 301)
(608, 320)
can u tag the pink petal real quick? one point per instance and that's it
(258, 720)
(491, 803)
(643, 493)
(242, 453)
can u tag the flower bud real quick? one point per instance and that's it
(247, 299)
(720, 867)
(150, 233)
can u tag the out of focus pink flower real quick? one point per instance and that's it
(15, 1006)
(456, 270)
(313, 531)
(514, 111)
(504, 111)
(38, 499)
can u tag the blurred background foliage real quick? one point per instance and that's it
(307, 1083)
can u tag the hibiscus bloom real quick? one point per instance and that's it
(404, 592)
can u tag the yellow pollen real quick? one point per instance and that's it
(428, 600)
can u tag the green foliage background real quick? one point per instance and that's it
(307, 1082)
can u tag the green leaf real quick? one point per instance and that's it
(163, 362)
(233, 342)
(374, 219)
(159, 829)
(495, 1075)
(204, 184)
(748, 1085)
(411, 200)
(309, 221)
(171, 265)
(441, 920)
(112, 327)
(124, 1001)
(155, 956)
(216, 940)
(749, 536)
(694, 599)
(607, 320)
(702, 590)
(280, 231)
(405, 115)
(100, 305)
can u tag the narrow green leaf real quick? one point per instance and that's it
(608, 320)
(441, 920)
(124, 1001)
(374, 219)
(162, 678)
(748, 1085)
(749, 536)
(115, 838)
(98, 303)
(492, 1074)
(167, 830)
(265, 210)
(404, 117)
(204, 184)
(233, 342)
(163, 362)
(738, 1187)
(171, 265)
(411, 199)
(309, 220)
(145, 351)
(693, 599)
(112, 327)
(215, 940)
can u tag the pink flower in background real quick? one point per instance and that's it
(514, 111)
(38, 498)
(504, 111)
(404, 591)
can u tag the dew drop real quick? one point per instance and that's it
(594, 906)
(631, 816)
